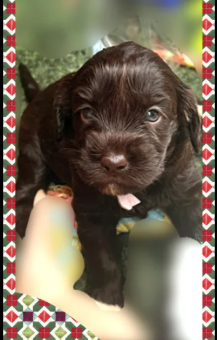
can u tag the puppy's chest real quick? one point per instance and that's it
(88, 201)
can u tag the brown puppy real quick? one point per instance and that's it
(124, 123)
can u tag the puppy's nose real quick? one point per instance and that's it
(114, 163)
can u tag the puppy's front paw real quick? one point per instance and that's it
(109, 297)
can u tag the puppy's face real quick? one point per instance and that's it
(125, 116)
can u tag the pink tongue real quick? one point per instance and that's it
(128, 201)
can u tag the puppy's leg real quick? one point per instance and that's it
(104, 279)
(187, 219)
(33, 176)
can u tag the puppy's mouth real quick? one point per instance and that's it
(112, 190)
(126, 201)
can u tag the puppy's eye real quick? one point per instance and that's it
(86, 114)
(152, 116)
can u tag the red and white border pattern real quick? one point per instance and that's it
(9, 92)
(208, 158)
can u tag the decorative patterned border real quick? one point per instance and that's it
(208, 157)
(26, 317)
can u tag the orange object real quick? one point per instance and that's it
(64, 192)
(181, 59)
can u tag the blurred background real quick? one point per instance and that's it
(56, 37)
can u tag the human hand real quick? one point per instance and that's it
(48, 266)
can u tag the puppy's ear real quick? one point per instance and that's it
(187, 106)
(63, 104)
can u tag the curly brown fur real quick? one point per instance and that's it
(98, 112)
